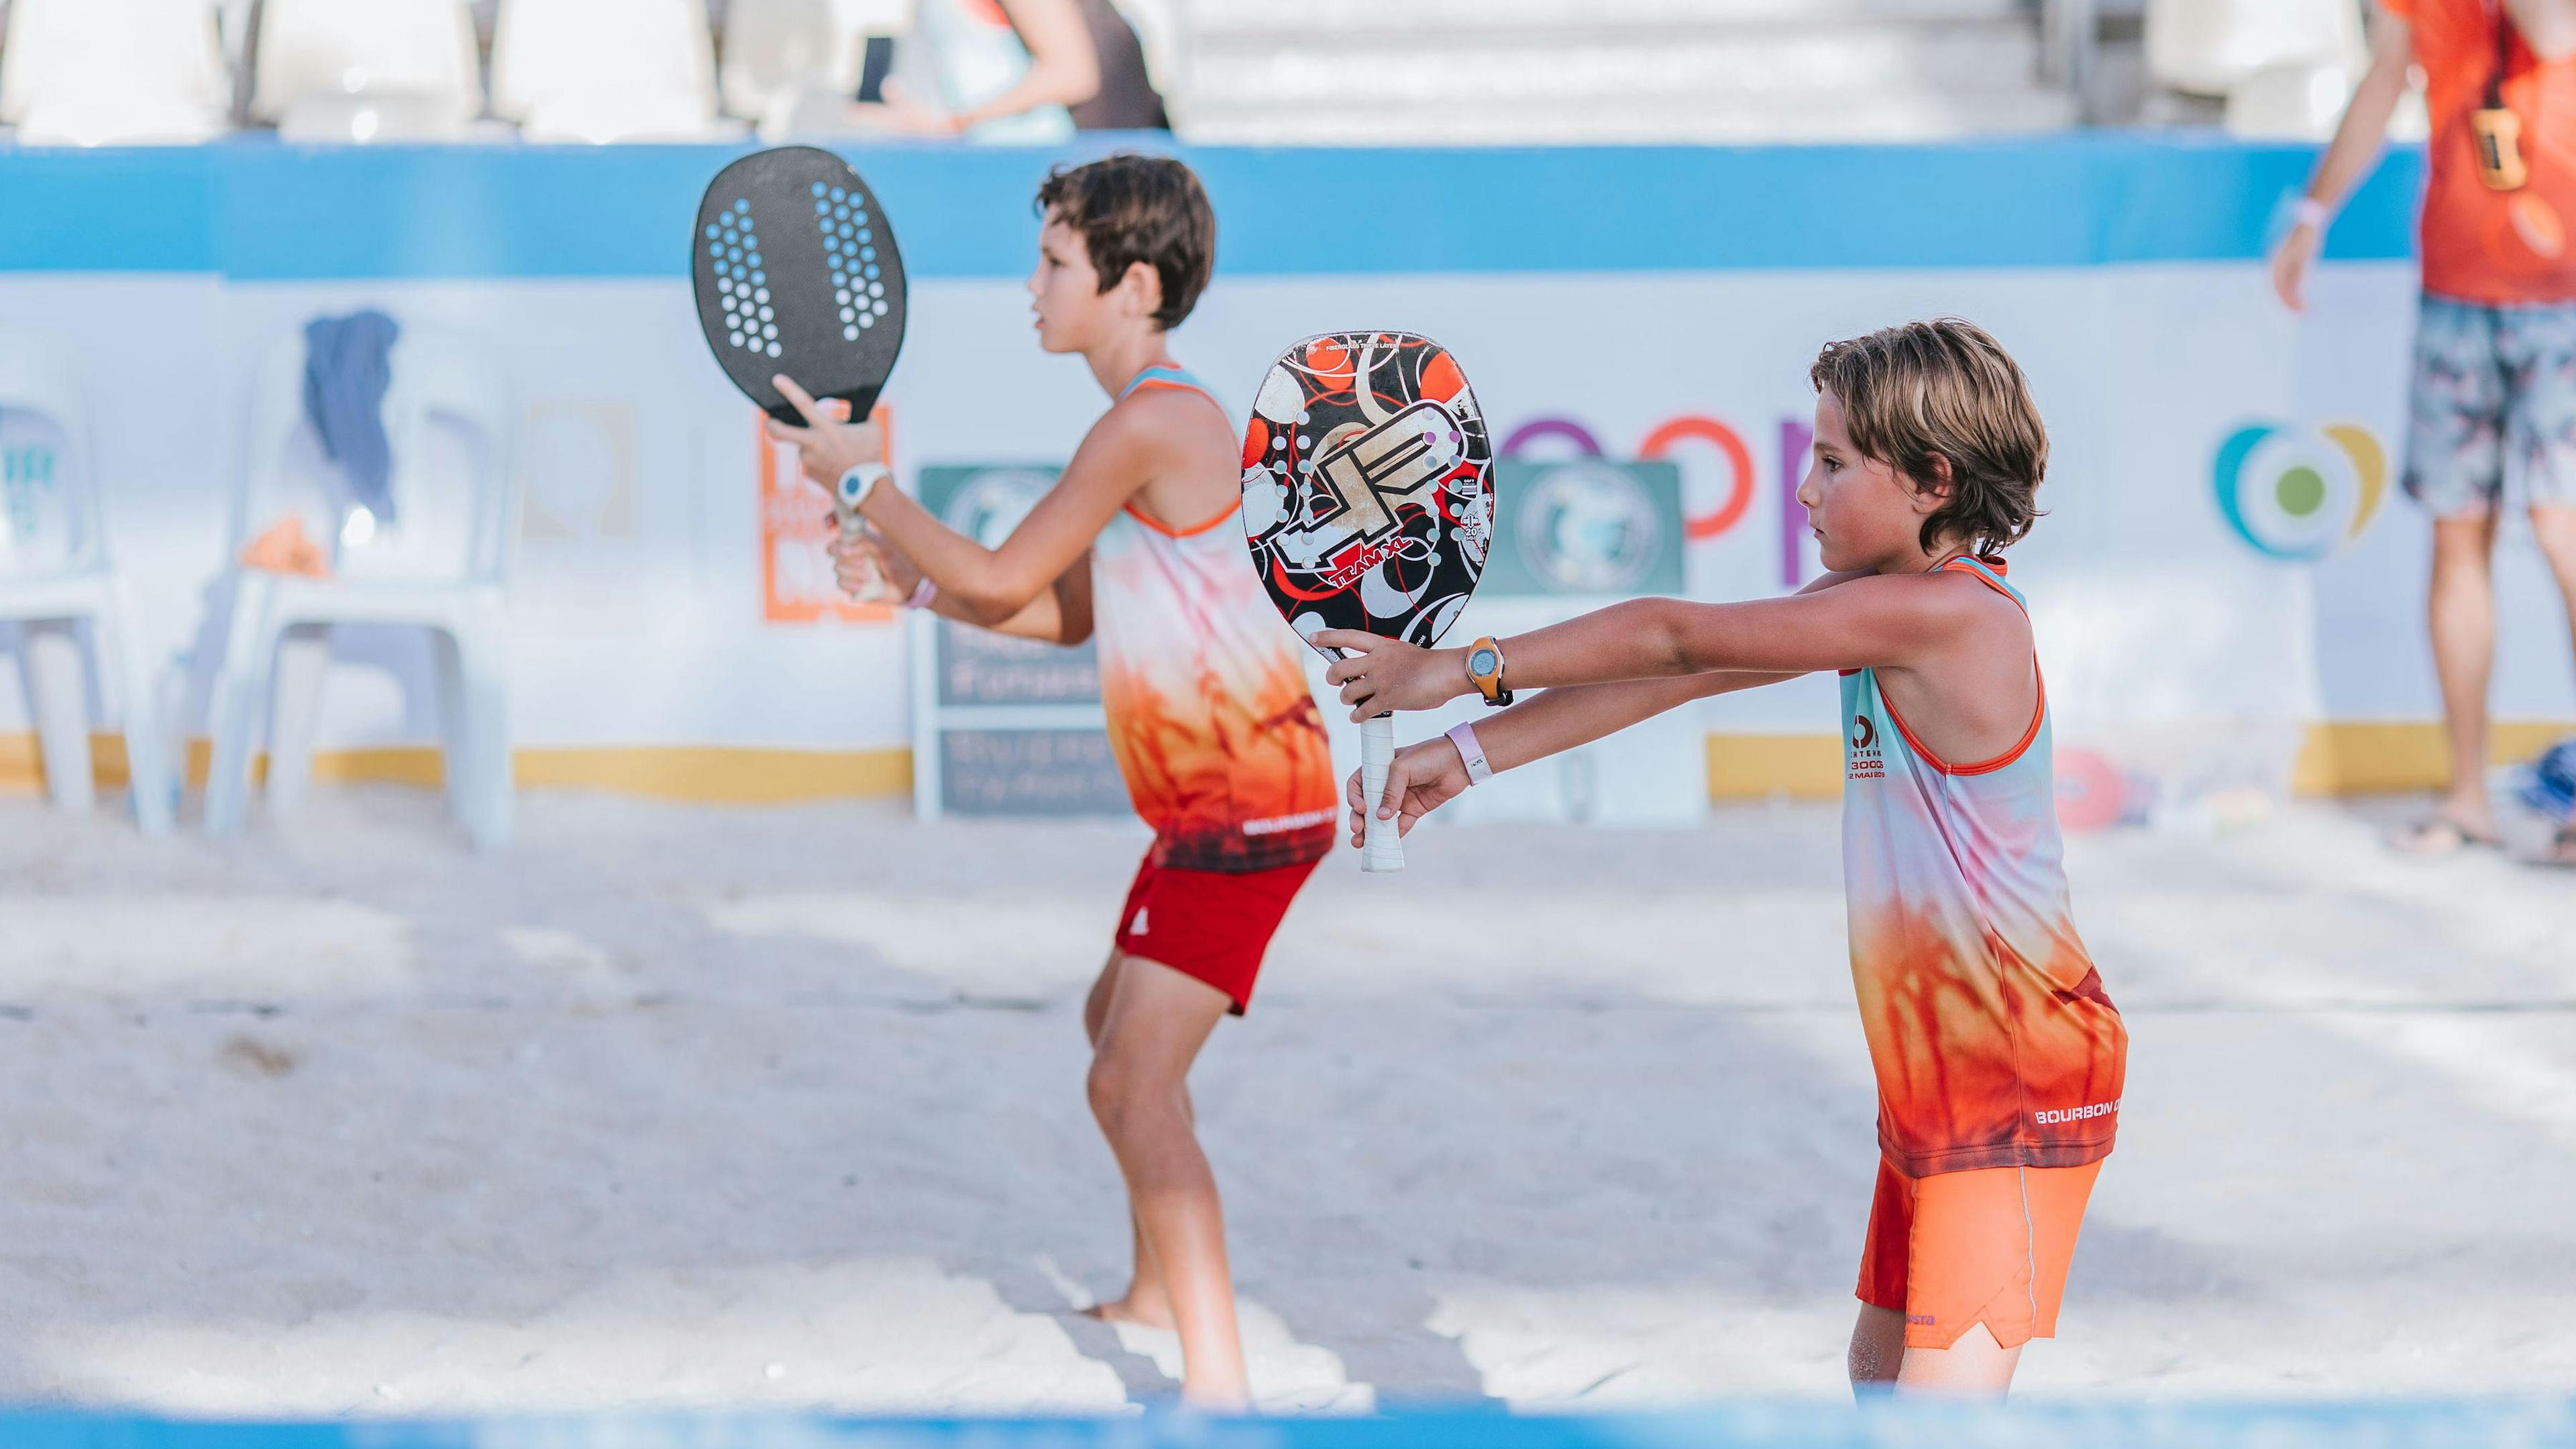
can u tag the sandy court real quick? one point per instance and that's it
(679, 1106)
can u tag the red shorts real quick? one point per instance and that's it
(1209, 925)
(1988, 1246)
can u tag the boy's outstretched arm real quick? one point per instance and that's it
(989, 586)
(1427, 775)
(1843, 621)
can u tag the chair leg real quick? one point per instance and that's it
(295, 707)
(241, 693)
(56, 689)
(147, 762)
(480, 786)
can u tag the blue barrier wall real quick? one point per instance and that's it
(255, 209)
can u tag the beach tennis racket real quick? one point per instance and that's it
(797, 272)
(1368, 498)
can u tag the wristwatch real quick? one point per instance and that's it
(856, 485)
(1485, 670)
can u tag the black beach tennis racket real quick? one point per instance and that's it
(1368, 497)
(797, 273)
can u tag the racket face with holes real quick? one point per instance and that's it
(1368, 485)
(797, 272)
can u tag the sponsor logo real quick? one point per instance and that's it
(1136, 927)
(1921, 1320)
(2075, 1114)
(1394, 463)
(1865, 761)
(1281, 823)
(2299, 494)
(1588, 528)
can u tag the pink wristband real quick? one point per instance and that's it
(922, 594)
(2311, 212)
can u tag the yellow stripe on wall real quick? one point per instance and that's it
(708, 774)
(2335, 758)
(2353, 757)
(1758, 767)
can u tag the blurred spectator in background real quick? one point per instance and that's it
(1126, 99)
(993, 70)
(2495, 346)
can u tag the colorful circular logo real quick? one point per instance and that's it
(2299, 494)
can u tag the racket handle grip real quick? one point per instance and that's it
(845, 509)
(1381, 844)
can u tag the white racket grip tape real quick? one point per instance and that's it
(1381, 844)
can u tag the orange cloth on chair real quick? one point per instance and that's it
(284, 549)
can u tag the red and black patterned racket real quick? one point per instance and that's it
(797, 272)
(1368, 497)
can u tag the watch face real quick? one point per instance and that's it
(1483, 662)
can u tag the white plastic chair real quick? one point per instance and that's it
(605, 70)
(443, 564)
(379, 70)
(2208, 47)
(775, 51)
(113, 72)
(55, 574)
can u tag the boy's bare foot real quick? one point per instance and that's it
(1150, 1310)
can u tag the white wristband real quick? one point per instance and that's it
(2310, 212)
(1464, 737)
(922, 594)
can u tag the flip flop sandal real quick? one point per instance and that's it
(2440, 836)
(2562, 852)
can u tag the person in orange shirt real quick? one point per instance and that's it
(2495, 343)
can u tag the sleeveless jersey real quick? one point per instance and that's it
(1214, 728)
(1989, 1032)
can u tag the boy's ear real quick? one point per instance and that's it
(1934, 489)
(1144, 287)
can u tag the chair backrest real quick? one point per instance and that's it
(315, 48)
(2207, 46)
(775, 48)
(451, 423)
(96, 72)
(51, 521)
(604, 70)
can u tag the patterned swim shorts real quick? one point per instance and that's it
(2491, 383)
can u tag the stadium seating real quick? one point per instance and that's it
(780, 53)
(106, 72)
(444, 566)
(55, 575)
(2209, 47)
(382, 70)
(606, 70)
(1544, 71)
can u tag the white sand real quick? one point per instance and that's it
(674, 1106)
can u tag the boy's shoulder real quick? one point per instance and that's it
(1166, 413)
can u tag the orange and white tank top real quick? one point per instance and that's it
(1989, 1032)
(1210, 717)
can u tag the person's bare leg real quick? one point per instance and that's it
(2461, 610)
(1974, 1367)
(1156, 1022)
(1877, 1350)
(1147, 1301)
(2555, 527)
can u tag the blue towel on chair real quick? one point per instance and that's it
(347, 367)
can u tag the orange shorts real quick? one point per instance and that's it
(1987, 1246)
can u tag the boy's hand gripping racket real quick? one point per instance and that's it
(1368, 496)
(797, 273)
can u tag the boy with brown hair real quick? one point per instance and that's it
(1998, 1056)
(1210, 718)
